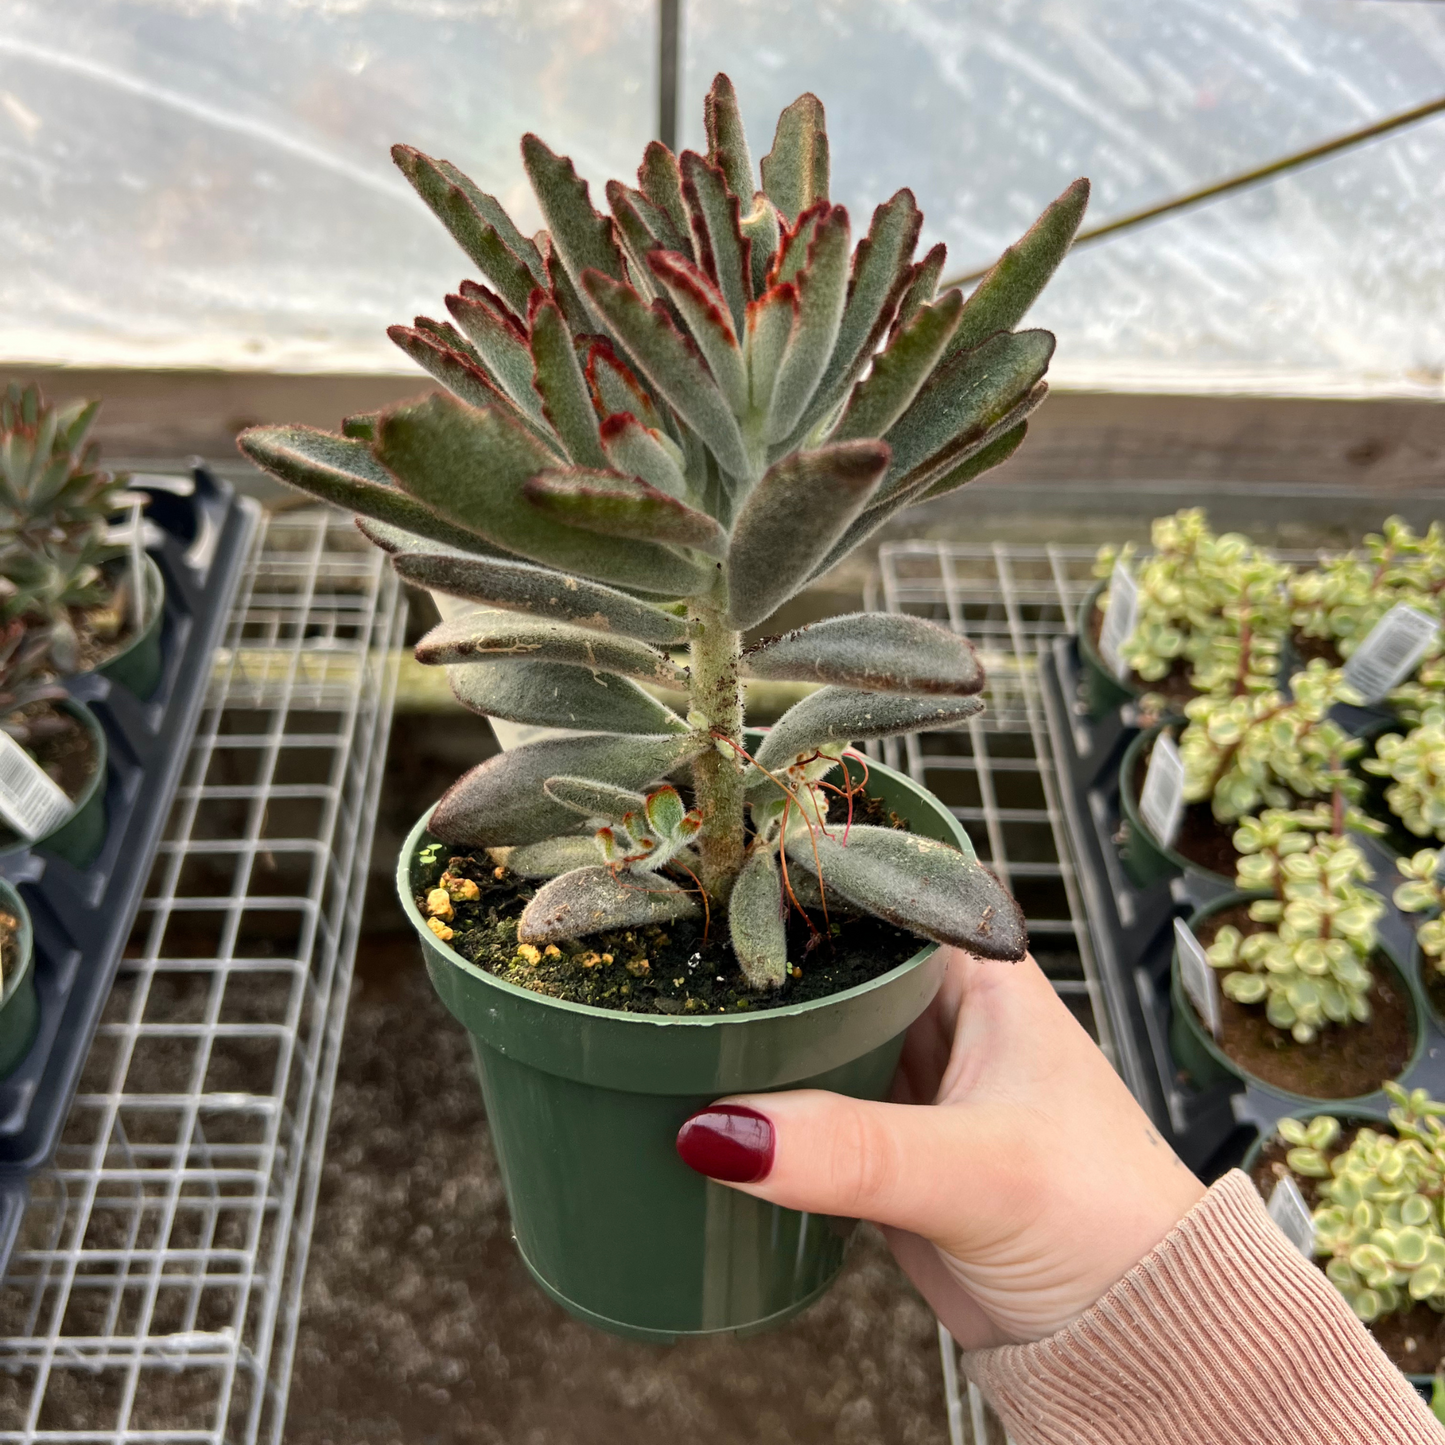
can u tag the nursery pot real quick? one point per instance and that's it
(139, 664)
(1103, 689)
(81, 836)
(1424, 970)
(584, 1106)
(1196, 1052)
(19, 1005)
(1146, 859)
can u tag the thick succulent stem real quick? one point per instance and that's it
(716, 697)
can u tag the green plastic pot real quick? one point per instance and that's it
(1146, 860)
(80, 838)
(584, 1106)
(1346, 1114)
(1421, 969)
(1104, 692)
(1197, 1054)
(139, 665)
(19, 1004)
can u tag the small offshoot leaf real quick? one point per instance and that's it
(757, 920)
(593, 900)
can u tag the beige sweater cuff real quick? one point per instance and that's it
(1223, 1334)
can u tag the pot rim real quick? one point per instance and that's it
(1179, 1000)
(925, 951)
(97, 779)
(155, 606)
(11, 901)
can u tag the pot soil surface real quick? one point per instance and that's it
(1342, 1061)
(9, 946)
(1414, 1338)
(1174, 687)
(1202, 838)
(1307, 649)
(64, 749)
(684, 967)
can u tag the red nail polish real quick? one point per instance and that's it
(728, 1142)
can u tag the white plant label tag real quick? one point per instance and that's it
(1119, 618)
(1197, 975)
(30, 799)
(1161, 802)
(1288, 1209)
(1391, 652)
(137, 570)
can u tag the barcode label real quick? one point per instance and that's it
(1391, 652)
(30, 800)
(1119, 618)
(1161, 803)
(1288, 1209)
(1197, 975)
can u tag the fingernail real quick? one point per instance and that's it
(728, 1142)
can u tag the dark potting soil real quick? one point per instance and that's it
(1202, 838)
(1307, 649)
(1174, 686)
(1342, 1061)
(1414, 1339)
(9, 946)
(683, 967)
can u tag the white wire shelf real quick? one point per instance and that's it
(154, 1291)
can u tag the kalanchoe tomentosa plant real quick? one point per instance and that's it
(662, 424)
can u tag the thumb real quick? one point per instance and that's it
(828, 1154)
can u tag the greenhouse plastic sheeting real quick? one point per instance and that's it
(207, 181)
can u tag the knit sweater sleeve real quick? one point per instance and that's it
(1223, 1334)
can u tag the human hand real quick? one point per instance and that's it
(1015, 1176)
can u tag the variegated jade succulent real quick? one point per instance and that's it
(661, 424)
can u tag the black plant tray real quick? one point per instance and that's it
(83, 918)
(1132, 932)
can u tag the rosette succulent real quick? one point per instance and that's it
(660, 424)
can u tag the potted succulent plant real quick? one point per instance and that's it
(1313, 1005)
(19, 1004)
(1374, 1185)
(663, 423)
(1423, 891)
(1242, 751)
(1413, 762)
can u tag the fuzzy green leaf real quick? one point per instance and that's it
(454, 369)
(795, 171)
(395, 542)
(618, 506)
(361, 425)
(494, 214)
(458, 212)
(592, 900)
(342, 471)
(899, 373)
(705, 313)
(643, 224)
(663, 354)
(717, 238)
(994, 454)
(875, 651)
(548, 859)
(880, 273)
(594, 800)
(559, 382)
(520, 587)
(501, 342)
(727, 142)
(843, 715)
(501, 800)
(791, 519)
(615, 389)
(757, 922)
(635, 450)
(919, 884)
(580, 320)
(555, 695)
(822, 291)
(580, 235)
(771, 319)
(922, 287)
(760, 229)
(660, 178)
(1000, 300)
(965, 398)
(481, 634)
(475, 465)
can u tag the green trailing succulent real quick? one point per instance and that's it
(1265, 749)
(55, 504)
(1344, 597)
(1422, 694)
(1423, 891)
(1313, 967)
(1415, 764)
(661, 424)
(1218, 602)
(1379, 1223)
